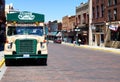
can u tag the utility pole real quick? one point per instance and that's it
(90, 22)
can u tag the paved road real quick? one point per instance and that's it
(69, 64)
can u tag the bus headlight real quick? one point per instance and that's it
(9, 45)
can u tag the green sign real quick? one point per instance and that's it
(25, 17)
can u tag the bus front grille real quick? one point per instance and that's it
(27, 46)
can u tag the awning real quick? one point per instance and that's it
(59, 34)
(52, 33)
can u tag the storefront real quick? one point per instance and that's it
(82, 34)
(98, 33)
(113, 38)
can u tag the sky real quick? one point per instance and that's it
(52, 9)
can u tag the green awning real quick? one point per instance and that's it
(25, 17)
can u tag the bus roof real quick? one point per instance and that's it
(25, 17)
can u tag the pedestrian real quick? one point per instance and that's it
(79, 41)
(74, 42)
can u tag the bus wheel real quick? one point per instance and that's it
(7, 62)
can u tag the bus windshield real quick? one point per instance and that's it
(26, 30)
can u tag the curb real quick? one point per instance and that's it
(112, 50)
(2, 62)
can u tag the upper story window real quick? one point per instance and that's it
(115, 14)
(115, 2)
(102, 10)
(109, 2)
(109, 15)
(93, 12)
(97, 1)
(97, 10)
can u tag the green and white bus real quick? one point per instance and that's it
(25, 38)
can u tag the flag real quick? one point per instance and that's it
(113, 27)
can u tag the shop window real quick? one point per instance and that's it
(102, 38)
(115, 35)
(98, 29)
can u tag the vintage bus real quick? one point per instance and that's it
(25, 38)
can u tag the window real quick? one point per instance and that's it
(31, 30)
(102, 10)
(79, 19)
(115, 2)
(102, 38)
(93, 12)
(97, 1)
(97, 15)
(109, 15)
(115, 14)
(109, 2)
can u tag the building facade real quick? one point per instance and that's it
(98, 22)
(65, 23)
(82, 22)
(112, 16)
(71, 23)
(68, 25)
(2, 21)
(106, 23)
(54, 27)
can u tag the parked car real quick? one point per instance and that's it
(58, 40)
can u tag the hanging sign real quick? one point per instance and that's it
(113, 27)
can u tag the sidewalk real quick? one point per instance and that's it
(107, 49)
(1, 58)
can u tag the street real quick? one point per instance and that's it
(69, 64)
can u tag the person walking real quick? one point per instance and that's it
(79, 41)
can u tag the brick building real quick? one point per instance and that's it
(112, 16)
(65, 23)
(105, 19)
(68, 25)
(82, 21)
(98, 22)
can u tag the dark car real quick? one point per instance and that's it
(58, 41)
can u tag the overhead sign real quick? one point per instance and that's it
(25, 17)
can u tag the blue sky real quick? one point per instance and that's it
(52, 9)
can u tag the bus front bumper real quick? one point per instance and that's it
(24, 56)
